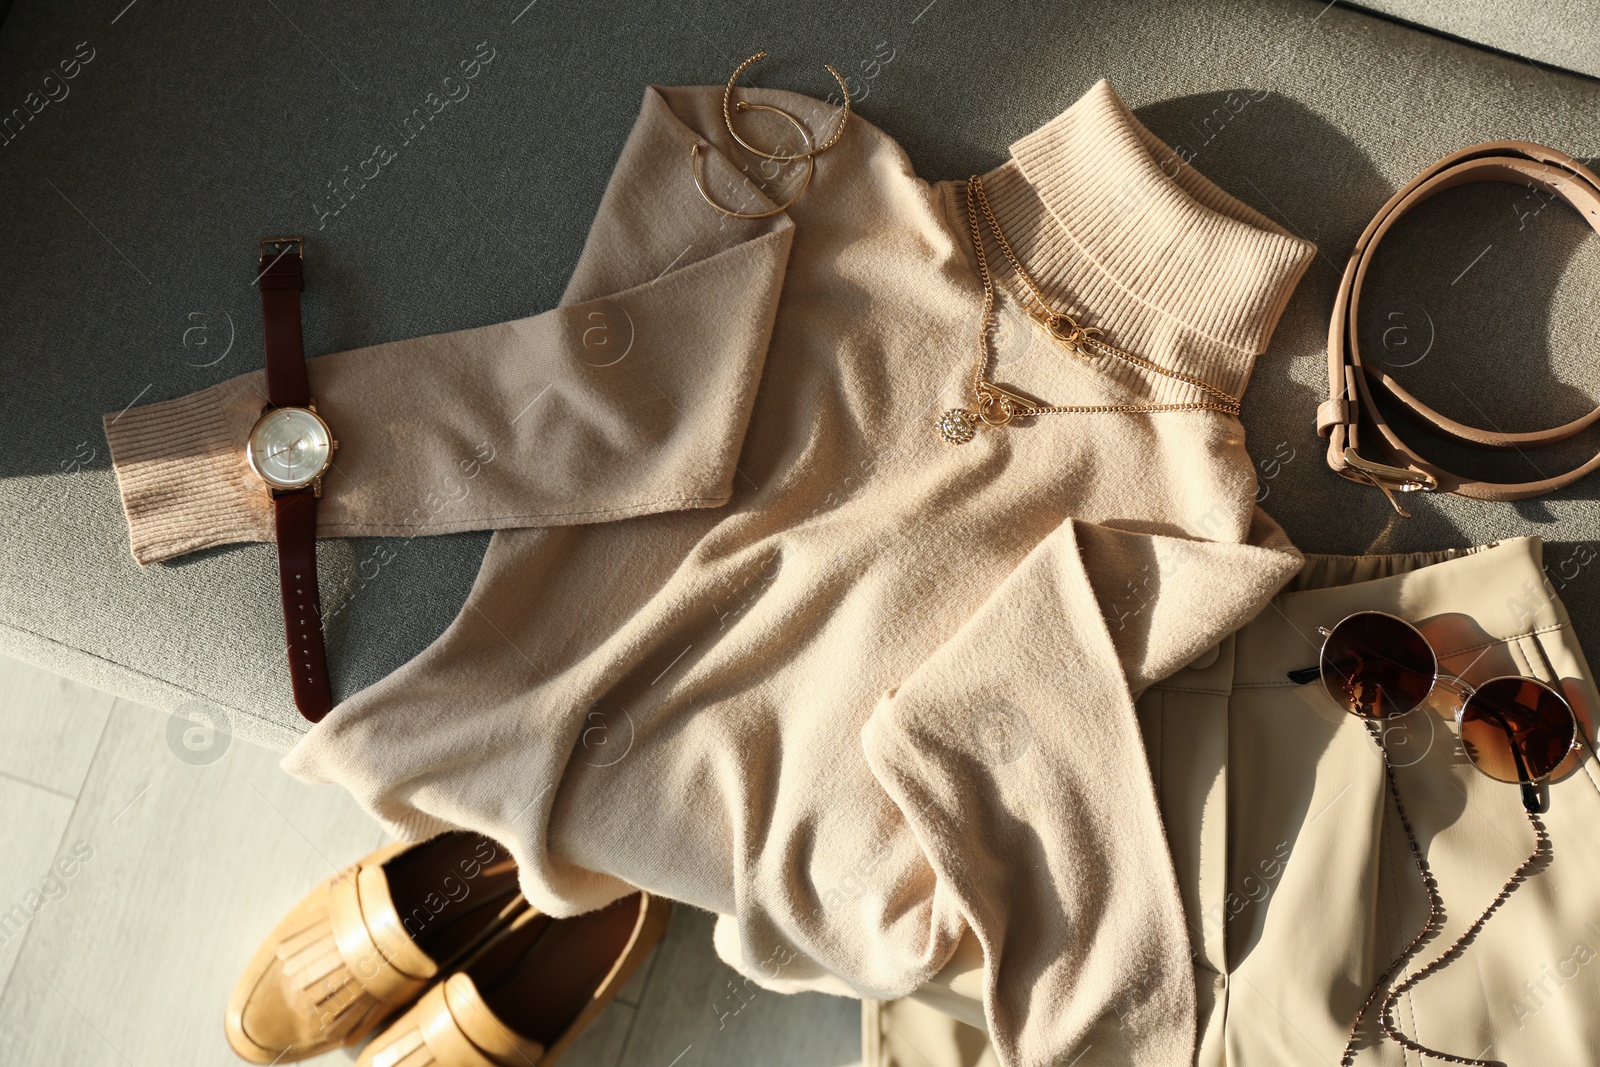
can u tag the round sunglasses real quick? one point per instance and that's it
(1514, 729)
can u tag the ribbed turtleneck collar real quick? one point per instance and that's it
(1118, 227)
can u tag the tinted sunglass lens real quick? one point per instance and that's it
(1520, 712)
(1377, 666)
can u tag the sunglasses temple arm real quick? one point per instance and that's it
(1305, 675)
(1530, 798)
(1530, 791)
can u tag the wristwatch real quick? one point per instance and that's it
(290, 448)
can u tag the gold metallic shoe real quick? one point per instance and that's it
(364, 943)
(526, 995)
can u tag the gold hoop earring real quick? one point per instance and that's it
(728, 107)
(809, 157)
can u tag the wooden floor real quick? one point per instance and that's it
(143, 857)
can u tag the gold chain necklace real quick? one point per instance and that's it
(995, 405)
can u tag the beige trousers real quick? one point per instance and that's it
(1294, 870)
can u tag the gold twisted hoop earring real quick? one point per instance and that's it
(728, 108)
(809, 157)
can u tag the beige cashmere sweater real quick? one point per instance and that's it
(749, 634)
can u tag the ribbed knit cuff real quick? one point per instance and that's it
(1128, 232)
(182, 474)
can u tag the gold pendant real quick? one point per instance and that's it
(957, 426)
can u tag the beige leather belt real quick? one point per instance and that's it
(1361, 445)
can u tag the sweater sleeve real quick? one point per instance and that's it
(632, 397)
(1087, 946)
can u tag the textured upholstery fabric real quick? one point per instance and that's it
(1563, 33)
(136, 199)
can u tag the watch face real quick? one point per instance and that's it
(290, 447)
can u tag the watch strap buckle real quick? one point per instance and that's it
(282, 246)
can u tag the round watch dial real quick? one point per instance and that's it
(290, 447)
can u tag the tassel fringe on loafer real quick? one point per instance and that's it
(526, 995)
(367, 941)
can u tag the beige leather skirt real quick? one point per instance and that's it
(1295, 873)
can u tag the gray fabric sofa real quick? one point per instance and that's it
(1562, 33)
(135, 198)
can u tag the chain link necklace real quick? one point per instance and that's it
(994, 405)
(1539, 856)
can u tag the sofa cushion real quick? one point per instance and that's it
(139, 184)
(1561, 33)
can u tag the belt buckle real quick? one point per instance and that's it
(1389, 480)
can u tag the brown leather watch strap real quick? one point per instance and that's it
(1362, 445)
(302, 606)
(282, 278)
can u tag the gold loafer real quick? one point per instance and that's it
(526, 995)
(365, 942)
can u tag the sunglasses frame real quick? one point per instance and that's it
(1464, 692)
(1462, 689)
